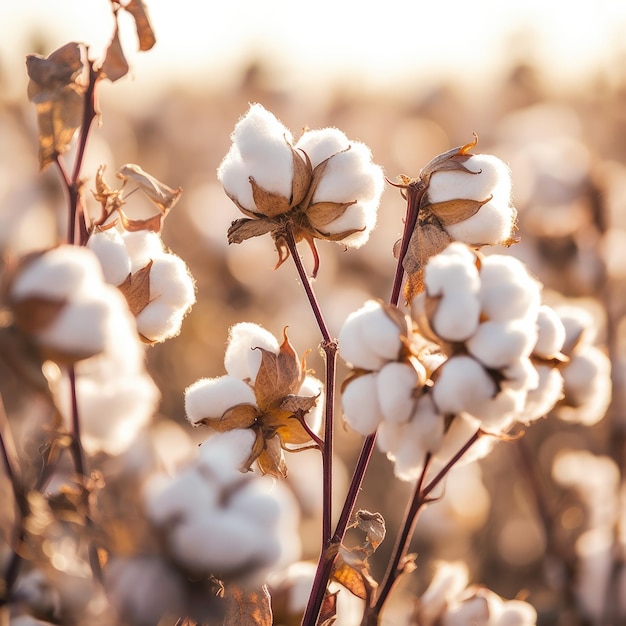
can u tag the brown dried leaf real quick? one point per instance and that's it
(115, 65)
(279, 375)
(238, 416)
(298, 404)
(328, 612)
(110, 199)
(293, 432)
(136, 289)
(323, 213)
(272, 460)
(33, 314)
(455, 211)
(247, 606)
(351, 579)
(268, 203)
(373, 525)
(338, 236)
(352, 571)
(302, 176)
(145, 32)
(428, 239)
(56, 87)
(160, 194)
(152, 224)
(245, 228)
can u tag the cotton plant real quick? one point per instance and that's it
(323, 186)
(267, 390)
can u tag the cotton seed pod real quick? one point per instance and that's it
(260, 150)
(488, 180)
(499, 344)
(507, 290)
(242, 358)
(397, 385)
(360, 404)
(369, 337)
(550, 333)
(212, 397)
(109, 246)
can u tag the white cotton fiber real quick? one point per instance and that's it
(211, 397)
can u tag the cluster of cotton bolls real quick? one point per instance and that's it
(265, 404)
(449, 601)
(157, 284)
(325, 182)
(596, 480)
(217, 520)
(115, 394)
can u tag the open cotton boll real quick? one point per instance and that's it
(313, 388)
(395, 385)
(211, 397)
(541, 400)
(447, 583)
(550, 333)
(578, 323)
(159, 321)
(228, 449)
(514, 613)
(241, 359)
(369, 338)
(521, 374)
(108, 246)
(58, 273)
(360, 405)
(171, 281)
(360, 217)
(143, 246)
(458, 433)
(507, 290)
(492, 224)
(498, 344)
(260, 150)
(463, 385)
(321, 143)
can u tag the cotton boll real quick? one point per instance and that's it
(498, 344)
(171, 281)
(448, 582)
(456, 317)
(472, 610)
(507, 290)
(58, 273)
(143, 246)
(108, 246)
(389, 437)
(488, 176)
(159, 321)
(360, 405)
(212, 397)
(396, 383)
(550, 333)
(521, 375)
(242, 359)
(369, 337)
(492, 224)
(360, 217)
(462, 385)
(578, 322)
(462, 428)
(260, 150)
(541, 400)
(322, 143)
(516, 613)
(313, 388)
(229, 449)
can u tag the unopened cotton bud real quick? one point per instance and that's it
(396, 384)
(507, 290)
(242, 358)
(212, 397)
(260, 150)
(488, 181)
(498, 344)
(108, 245)
(550, 333)
(360, 404)
(369, 338)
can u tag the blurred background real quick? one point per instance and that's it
(542, 84)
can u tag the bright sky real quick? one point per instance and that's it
(373, 43)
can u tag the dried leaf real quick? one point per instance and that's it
(145, 32)
(33, 314)
(328, 612)
(247, 606)
(268, 203)
(152, 224)
(351, 579)
(279, 375)
(373, 525)
(338, 236)
(272, 461)
(115, 64)
(160, 194)
(352, 571)
(136, 289)
(56, 87)
(454, 211)
(245, 228)
(298, 404)
(323, 213)
(238, 416)
(110, 199)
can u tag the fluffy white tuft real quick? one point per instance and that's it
(360, 405)
(242, 359)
